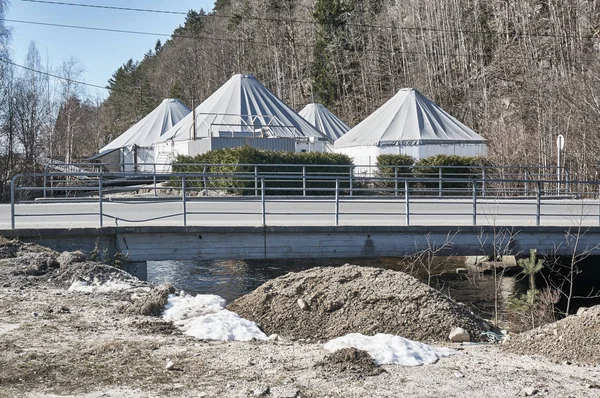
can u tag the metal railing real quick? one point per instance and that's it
(330, 194)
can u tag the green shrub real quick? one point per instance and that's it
(452, 166)
(387, 166)
(271, 164)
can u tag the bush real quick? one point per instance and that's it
(452, 166)
(387, 166)
(270, 164)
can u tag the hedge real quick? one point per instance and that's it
(272, 161)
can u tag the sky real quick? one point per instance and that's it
(100, 53)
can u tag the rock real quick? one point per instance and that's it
(462, 271)
(273, 337)
(170, 364)
(529, 391)
(458, 375)
(262, 391)
(459, 335)
(284, 392)
(303, 305)
(581, 310)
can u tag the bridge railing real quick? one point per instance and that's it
(469, 199)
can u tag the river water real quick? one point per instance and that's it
(231, 279)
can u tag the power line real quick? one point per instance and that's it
(6, 61)
(107, 7)
(243, 41)
(314, 23)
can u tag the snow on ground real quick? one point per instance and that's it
(387, 349)
(98, 287)
(205, 317)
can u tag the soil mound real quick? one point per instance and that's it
(575, 339)
(325, 303)
(351, 362)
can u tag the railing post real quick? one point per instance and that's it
(526, 182)
(538, 204)
(183, 195)
(440, 181)
(45, 179)
(154, 178)
(337, 202)
(351, 168)
(568, 181)
(100, 201)
(406, 203)
(205, 181)
(483, 181)
(474, 202)
(395, 180)
(262, 201)
(12, 202)
(303, 180)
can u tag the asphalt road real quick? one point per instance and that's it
(239, 211)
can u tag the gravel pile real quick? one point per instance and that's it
(575, 339)
(325, 303)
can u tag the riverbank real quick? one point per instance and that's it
(60, 338)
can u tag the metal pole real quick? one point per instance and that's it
(558, 173)
(205, 182)
(351, 168)
(483, 181)
(474, 203)
(395, 181)
(154, 178)
(45, 179)
(12, 202)
(526, 182)
(406, 203)
(337, 202)
(183, 188)
(100, 201)
(262, 200)
(303, 180)
(567, 181)
(538, 204)
(255, 180)
(440, 179)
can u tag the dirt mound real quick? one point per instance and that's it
(575, 339)
(325, 303)
(153, 303)
(351, 362)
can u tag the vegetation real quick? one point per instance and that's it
(519, 73)
(270, 163)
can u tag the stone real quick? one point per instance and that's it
(262, 391)
(581, 310)
(529, 391)
(303, 305)
(459, 335)
(284, 392)
(462, 270)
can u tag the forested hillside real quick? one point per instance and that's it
(518, 72)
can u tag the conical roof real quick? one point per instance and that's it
(243, 107)
(325, 121)
(409, 118)
(149, 129)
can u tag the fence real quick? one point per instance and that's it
(349, 196)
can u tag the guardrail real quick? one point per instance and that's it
(315, 188)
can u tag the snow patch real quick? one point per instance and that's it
(98, 287)
(387, 349)
(205, 317)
